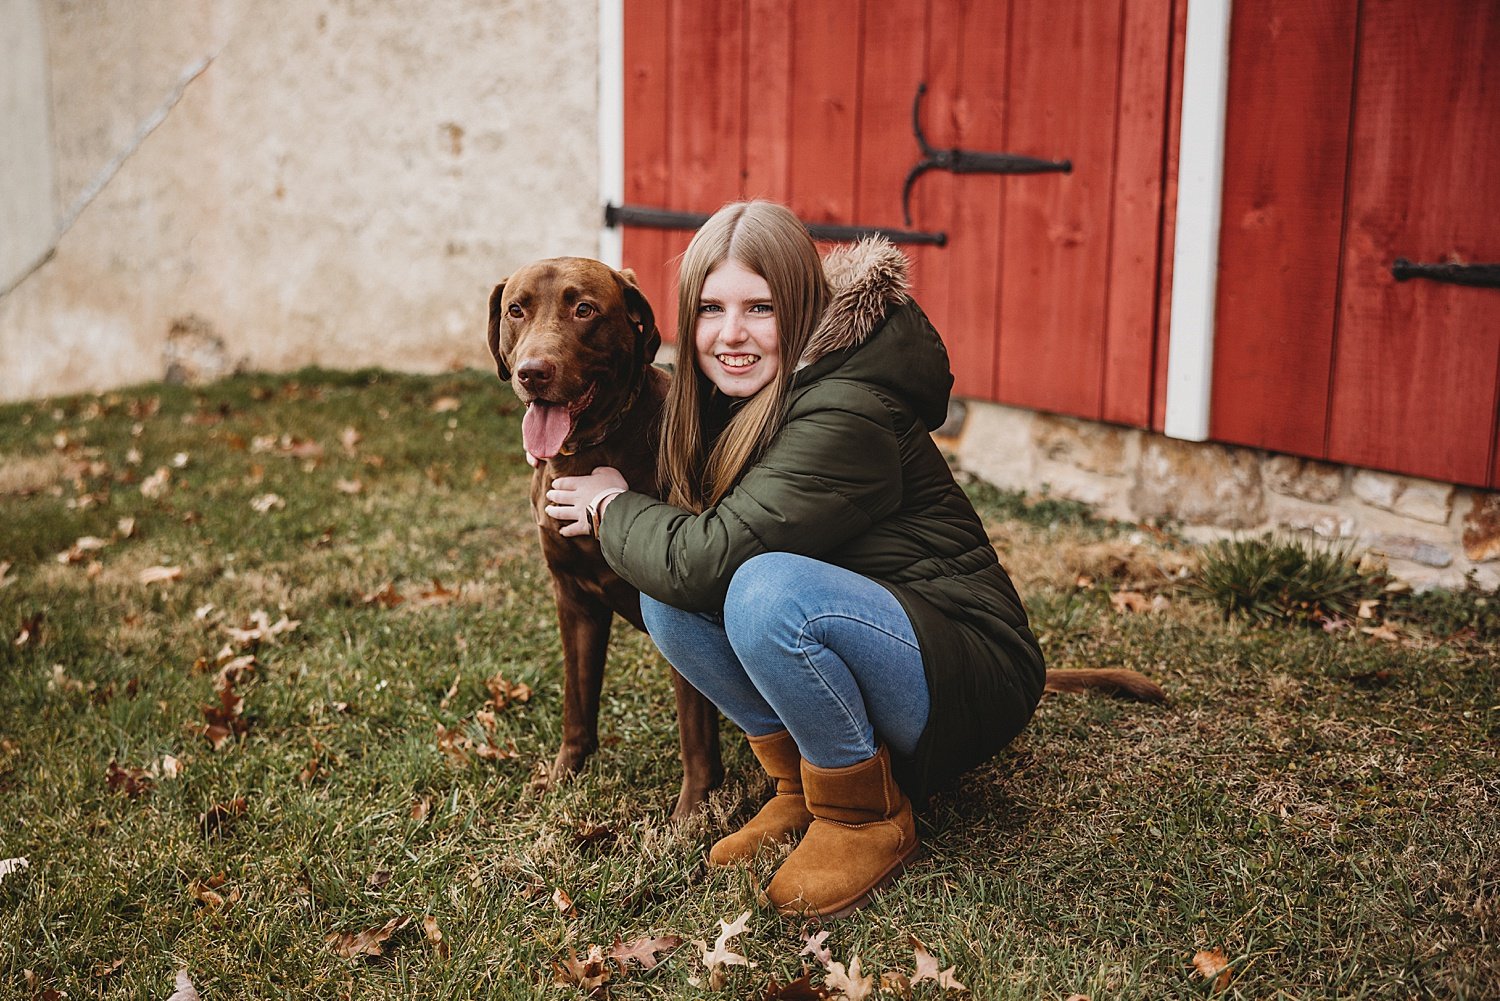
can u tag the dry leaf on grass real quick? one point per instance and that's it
(720, 956)
(79, 551)
(185, 991)
(503, 692)
(386, 596)
(590, 973)
(30, 633)
(159, 575)
(1079, 997)
(349, 439)
(927, 968)
(349, 486)
(642, 950)
(1382, 632)
(218, 818)
(157, 484)
(11, 866)
(260, 627)
(370, 942)
(801, 989)
(105, 969)
(855, 985)
(5, 578)
(133, 782)
(436, 595)
(266, 503)
(446, 404)
(562, 901)
(434, 936)
(814, 947)
(1212, 964)
(893, 982)
(225, 720)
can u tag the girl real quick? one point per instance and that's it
(815, 570)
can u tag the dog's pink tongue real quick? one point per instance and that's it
(544, 429)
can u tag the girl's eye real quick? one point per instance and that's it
(515, 311)
(583, 311)
(708, 307)
(761, 307)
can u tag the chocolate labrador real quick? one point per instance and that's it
(576, 338)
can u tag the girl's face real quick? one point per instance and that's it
(735, 337)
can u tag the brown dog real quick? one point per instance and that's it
(576, 338)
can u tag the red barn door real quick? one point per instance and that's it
(1046, 290)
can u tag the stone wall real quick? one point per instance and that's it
(275, 183)
(1427, 532)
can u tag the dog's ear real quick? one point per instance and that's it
(497, 323)
(647, 336)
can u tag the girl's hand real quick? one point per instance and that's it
(569, 498)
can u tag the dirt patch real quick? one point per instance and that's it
(31, 474)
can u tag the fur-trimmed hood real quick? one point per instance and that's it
(865, 280)
(872, 332)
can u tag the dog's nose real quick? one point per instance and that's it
(535, 373)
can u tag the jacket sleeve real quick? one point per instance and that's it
(831, 472)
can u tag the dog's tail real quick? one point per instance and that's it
(1113, 680)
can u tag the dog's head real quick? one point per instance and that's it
(571, 335)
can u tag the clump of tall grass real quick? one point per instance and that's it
(1274, 579)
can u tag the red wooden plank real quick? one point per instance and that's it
(826, 40)
(1283, 201)
(966, 108)
(1417, 363)
(1168, 217)
(707, 105)
(1056, 245)
(1130, 321)
(768, 93)
(647, 61)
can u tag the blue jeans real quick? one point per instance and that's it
(807, 647)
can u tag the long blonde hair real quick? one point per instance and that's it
(771, 241)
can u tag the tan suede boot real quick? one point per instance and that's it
(783, 817)
(861, 837)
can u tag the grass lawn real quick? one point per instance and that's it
(196, 784)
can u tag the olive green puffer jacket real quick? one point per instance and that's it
(854, 479)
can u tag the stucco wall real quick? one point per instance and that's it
(26, 163)
(341, 184)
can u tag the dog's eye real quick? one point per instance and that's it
(515, 311)
(583, 311)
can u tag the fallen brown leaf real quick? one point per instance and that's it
(1129, 601)
(30, 633)
(218, 818)
(105, 969)
(420, 808)
(225, 720)
(260, 627)
(185, 991)
(589, 973)
(349, 486)
(205, 893)
(350, 438)
(386, 597)
(11, 866)
(892, 982)
(159, 575)
(801, 989)
(446, 404)
(642, 950)
(434, 936)
(1382, 632)
(1212, 964)
(721, 955)
(370, 942)
(814, 947)
(133, 782)
(79, 551)
(927, 968)
(379, 879)
(561, 901)
(852, 981)
(503, 692)
(157, 484)
(266, 503)
(437, 594)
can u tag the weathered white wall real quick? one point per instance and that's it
(26, 163)
(341, 185)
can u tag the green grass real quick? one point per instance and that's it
(1320, 806)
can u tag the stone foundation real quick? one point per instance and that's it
(1428, 533)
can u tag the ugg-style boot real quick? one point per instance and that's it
(783, 817)
(861, 837)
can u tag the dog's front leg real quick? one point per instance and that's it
(698, 738)
(584, 623)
